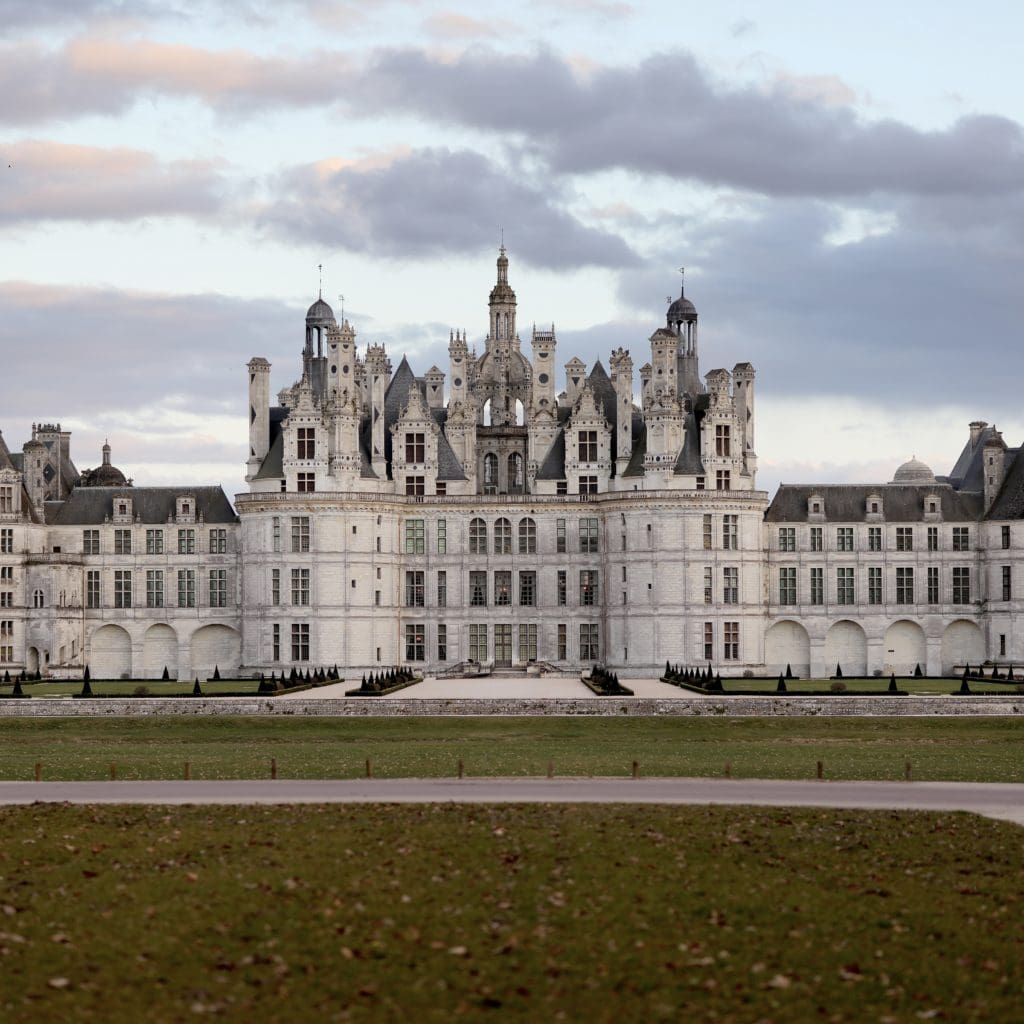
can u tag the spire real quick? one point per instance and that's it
(682, 282)
(502, 264)
(106, 452)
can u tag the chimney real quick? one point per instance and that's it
(976, 428)
(993, 465)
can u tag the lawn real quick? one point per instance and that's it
(533, 913)
(912, 685)
(120, 688)
(968, 749)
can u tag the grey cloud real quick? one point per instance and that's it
(22, 13)
(435, 202)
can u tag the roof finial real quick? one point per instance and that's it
(682, 283)
(342, 298)
(320, 290)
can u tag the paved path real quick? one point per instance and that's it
(995, 800)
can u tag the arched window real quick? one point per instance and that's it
(515, 472)
(490, 470)
(38, 601)
(502, 537)
(477, 537)
(527, 537)
(520, 413)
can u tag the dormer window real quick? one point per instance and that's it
(185, 508)
(873, 505)
(816, 506)
(123, 510)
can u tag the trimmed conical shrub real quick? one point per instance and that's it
(7, 676)
(967, 674)
(789, 670)
(917, 671)
(17, 691)
(166, 675)
(839, 671)
(964, 687)
(892, 684)
(86, 689)
(86, 675)
(197, 690)
(216, 673)
(1009, 675)
(781, 686)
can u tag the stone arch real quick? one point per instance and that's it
(520, 413)
(485, 413)
(110, 653)
(490, 470)
(787, 643)
(846, 646)
(160, 651)
(32, 660)
(962, 644)
(905, 648)
(216, 646)
(515, 476)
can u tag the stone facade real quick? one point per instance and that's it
(481, 516)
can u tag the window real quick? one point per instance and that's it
(709, 591)
(933, 538)
(1002, 644)
(276, 641)
(1007, 583)
(39, 601)
(477, 537)
(563, 642)
(707, 533)
(6, 541)
(276, 529)
(154, 588)
(874, 538)
(709, 641)
(442, 642)
(92, 588)
(218, 588)
(306, 443)
(817, 538)
(502, 537)
(478, 589)
(186, 542)
(844, 586)
(186, 588)
(1004, 532)
(561, 487)
(590, 646)
(904, 538)
(588, 485)
(730, 585)
(731, 641)
(415, 448)
(275, 586)
(478, 642)
(563, 587)
(528, 588)
(560, 536)
(414, 589)
(300, 641)
(701, 485)
(844, 538)
(218, 541)
(122, 542)
(905, 585)
(6, 599)
(7, 498)
(515, 472)
(961, 584)
(961, 538)
(442, 589)
(415, 486)
(588, 445)
(588, 587)
(442, 536)
(415, 537)
(415, 642)
(787, 538)
(154, 542)
(730, 532)
(490, 471)
(817, 581)
(527, 537)
(588, 536)
(933, 584)
(503, 587)
(787, 586)
(300, 586)
(90, 542)
(723, 445)
(527, 642)
(722, 480)
(300, 533)
(874, 584)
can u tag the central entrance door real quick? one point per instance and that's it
(503, 644)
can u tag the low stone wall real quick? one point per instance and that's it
(385, 707)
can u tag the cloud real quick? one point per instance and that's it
(57, 181)
(26, 13)
(431, 203)
(452, 25)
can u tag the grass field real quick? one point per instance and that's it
(911, 685)
(968, 749)
(120, 688)
(534, 913)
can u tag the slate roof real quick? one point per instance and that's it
(1009, 503)
(553, 466)
(5, 455)
(847, 503)
(89, 506)
(448, 465)
(635, 466)
(968, 473)
(273, 462)
(689, 462)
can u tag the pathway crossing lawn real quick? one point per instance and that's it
(968, 749)
(526, 913)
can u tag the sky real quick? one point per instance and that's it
(843, 183)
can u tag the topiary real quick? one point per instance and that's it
(197, 690)
(892, 684)
(86, 689)
(216, 673)
(789, 670)
(781, 686)
(166, 676)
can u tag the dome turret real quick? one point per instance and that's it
(914, 472)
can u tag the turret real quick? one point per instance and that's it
(543, 344)
(33, 466)
(994, 463)
(681, 320)
(458, 359)
(575, 377)
(743, 400)
(502, 305)
(435, 388)
(319, 320)
(378, 371)
(259, 414)
(622, 381)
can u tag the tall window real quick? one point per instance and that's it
(276, 532)
(122, 542)
(874, 584)
(904, 538)
(933, 538)
(90, 542)
(961, 538)
(1007, 583)
(275, 635)
(527, 536)
(817, 538)
(787, 586)
(7, 541)
(723, 444)
(562, 648)
(588, 586)
(442, 589)
(515, 472)
(709, 641)
(502, 537)
(415, 642)
(7, 498)
(787, 538)
(730, 585)
(730, 532)
(709, 585)
(874, 538)
(300, 586)
(477, 537)
(563, 587)
(275, 586)
(503, 587)
(1004, 533)
(490, 470)
(961, 584)
(478, 589)
(817, 580)
(708, 536)
(560, 536)
(844, 538)
(92, 588)
(588, 536)
(933, 584)
(122, 588)
(415, 448)
(844, 586)
(590, 642)
(154, 542)
(186, 588)
(415, 537)
(528, 588)
(904, 585)
(478, 642)
(306, 443)
(588, 445)
(442, 642)
(731, 641)
(528, 642)
(442, 536)
(218, 588)
(218, 541)
(723, 480)
(300, 533)
(39, 601)
(300, 641)
(154, 588)
(186, 542)
(414, 589)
